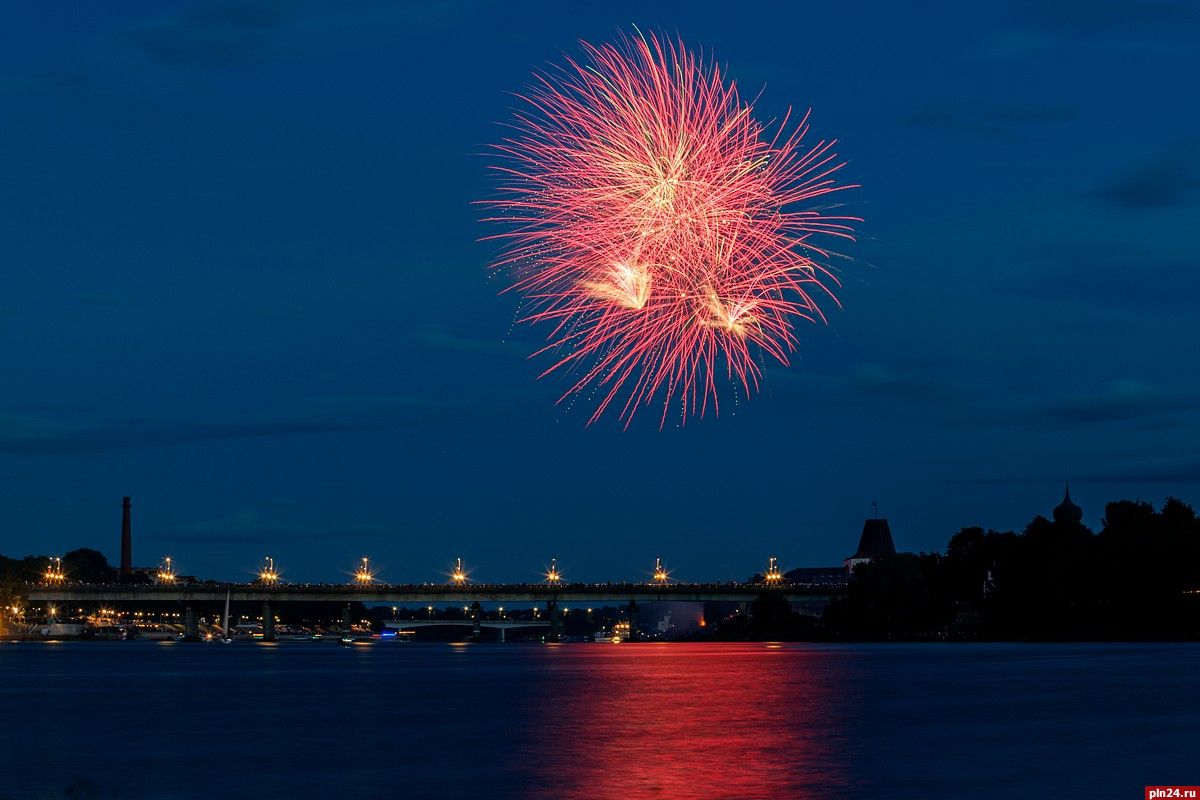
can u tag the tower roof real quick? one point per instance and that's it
(1066, 511)
(876, 539)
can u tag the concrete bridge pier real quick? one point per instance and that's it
(347, 624)
(191, 630)
(268, 622)
(552, 615)
(633, 611)
(500, 634)
(476, 615)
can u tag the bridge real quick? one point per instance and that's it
(552, 594)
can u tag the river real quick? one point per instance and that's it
(595, 721)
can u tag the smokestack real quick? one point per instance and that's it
(126, 544)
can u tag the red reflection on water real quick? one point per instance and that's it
(683, 721)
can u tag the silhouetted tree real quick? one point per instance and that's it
(894, 596)
(971, 558)
(88, 566)
(1147, 563)
(1042, 586)
(770, 610)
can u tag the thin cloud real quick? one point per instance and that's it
(105, 299)
(915, 382)
(1120, 401)
(45, 435)
(1112, 274)
(214, 33)
(439, 337)
(1154, 471)
(878, 380)
(1125, 18)
(1001, 122)
(244, 524)
(1166, 180)
(1038, 27)
(1005, 480)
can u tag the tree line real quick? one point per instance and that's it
(1137, 578)
(85, 565)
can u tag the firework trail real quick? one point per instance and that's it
(658, 230)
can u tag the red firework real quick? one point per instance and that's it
(658, 230)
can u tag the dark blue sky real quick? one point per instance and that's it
(244, 286)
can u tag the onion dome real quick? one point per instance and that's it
(1066, 511)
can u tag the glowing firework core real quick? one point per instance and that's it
(653, 225)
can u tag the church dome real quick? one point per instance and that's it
(1066, 511)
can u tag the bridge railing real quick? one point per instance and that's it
(427, 588)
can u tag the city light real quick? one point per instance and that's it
(54, 572)
(267, 574)
(165, 573)
(524, 603)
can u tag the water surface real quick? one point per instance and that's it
(595, 721)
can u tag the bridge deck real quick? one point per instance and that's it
(393, 593)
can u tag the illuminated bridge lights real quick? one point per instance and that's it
(268, 576)
(54, 572)
(458, 577)
(364, 576)
(773, 576)
(553, 576)
(661, 576)
(165, 573)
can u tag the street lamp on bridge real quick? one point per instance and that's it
(268, 575)
(54, 572)
(364, 576)
(165, 573)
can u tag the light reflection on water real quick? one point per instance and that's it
(151, 720)
(689, 721)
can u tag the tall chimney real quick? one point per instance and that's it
(126, 544)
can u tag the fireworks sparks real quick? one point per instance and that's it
(658, 230)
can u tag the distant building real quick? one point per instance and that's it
(876, 540)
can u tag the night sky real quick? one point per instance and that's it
(244, 285)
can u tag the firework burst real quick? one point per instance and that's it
(658, 229)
